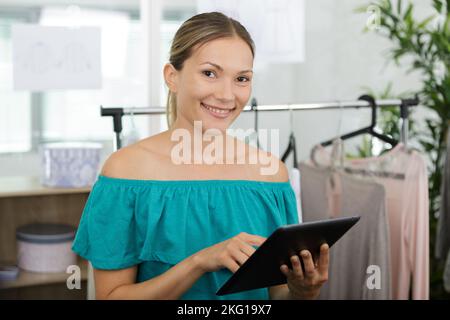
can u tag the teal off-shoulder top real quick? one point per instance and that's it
(154, 224)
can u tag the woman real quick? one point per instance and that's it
(157, 229)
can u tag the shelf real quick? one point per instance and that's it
(27, 279)
(23, 186)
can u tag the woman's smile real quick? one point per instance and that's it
(217, 112)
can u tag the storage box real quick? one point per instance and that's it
(45, 247)
(69, 164)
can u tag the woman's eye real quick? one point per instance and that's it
(208, 73)
(243, 79)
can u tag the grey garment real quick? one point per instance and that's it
(351, 271)
(447, 273)
(443, 228)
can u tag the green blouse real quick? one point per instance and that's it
(154, 224)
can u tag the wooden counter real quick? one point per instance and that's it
(24, 200)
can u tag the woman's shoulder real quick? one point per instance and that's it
(149, 159)
(132, 162)
(268, 167)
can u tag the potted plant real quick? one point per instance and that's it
(427, 45)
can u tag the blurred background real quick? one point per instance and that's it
(306, 52)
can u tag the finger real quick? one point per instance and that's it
(308, 263)
(247, 249)
(239, 256)
(253, 239)
(284, 269)
(324, 258)
(297, 266)
(231, 265)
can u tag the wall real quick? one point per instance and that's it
(340, 61)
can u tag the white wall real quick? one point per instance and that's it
(340, 60)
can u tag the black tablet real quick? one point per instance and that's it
(262, 268)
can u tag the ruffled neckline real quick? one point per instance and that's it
(205, 182)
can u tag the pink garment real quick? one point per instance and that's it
(407, 207)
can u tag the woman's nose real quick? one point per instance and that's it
(225, 92)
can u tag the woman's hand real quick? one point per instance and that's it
(306, 284)
(230, 254)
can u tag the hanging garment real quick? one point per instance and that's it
(365, 248)
(442, 249)
(294, 178)
(446, 275)
(404, 177)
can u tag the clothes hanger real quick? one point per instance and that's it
(294, 175)
(338, 145)
(132, 135)
(291, 148)
(254, 105)
(367, 130)
(254, 135)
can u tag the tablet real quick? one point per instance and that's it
(262, 268)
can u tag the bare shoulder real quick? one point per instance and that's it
(121, 163)
(132, 162)
(269, 167)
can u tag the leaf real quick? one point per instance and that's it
(437, 4)
(425, 22)
(407, 14)
(427, 146)
(361, 9)
(399, 6)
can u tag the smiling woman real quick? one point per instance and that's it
(212, 93)
(198, 82)
(157, 229)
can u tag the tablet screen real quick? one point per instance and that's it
(262, 268)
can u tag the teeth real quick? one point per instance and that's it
(215, 109)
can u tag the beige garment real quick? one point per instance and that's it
(365, 247)
(407, 207)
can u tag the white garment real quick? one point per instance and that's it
(294, 178)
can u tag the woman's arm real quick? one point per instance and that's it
(180, 278)
(172, 284)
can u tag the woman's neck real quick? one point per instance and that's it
(204, 146)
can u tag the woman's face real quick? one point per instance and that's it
(214, 84)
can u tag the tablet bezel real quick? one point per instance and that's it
(295, 237)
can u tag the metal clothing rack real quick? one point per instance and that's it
(117, 113)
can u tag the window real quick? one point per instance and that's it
(30, 118)
(75, 114)
(15, 106)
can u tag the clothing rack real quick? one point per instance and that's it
(118, 112)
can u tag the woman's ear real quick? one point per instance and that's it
(171, 77)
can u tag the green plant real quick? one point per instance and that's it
(427, 45)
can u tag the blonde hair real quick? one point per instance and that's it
(198, 30)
